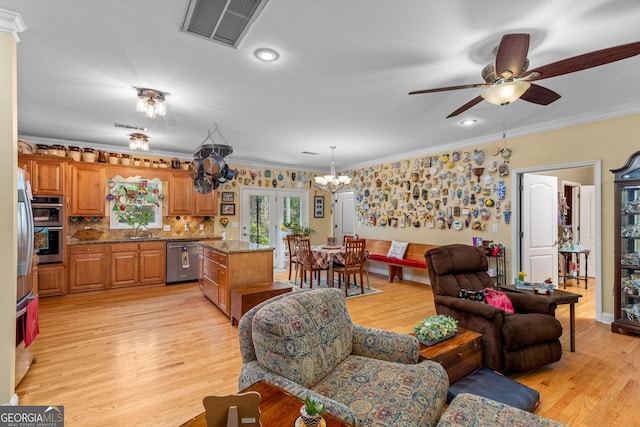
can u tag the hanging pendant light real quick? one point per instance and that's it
(333, 183)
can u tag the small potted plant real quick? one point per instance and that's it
(435, 329)
(311, 412)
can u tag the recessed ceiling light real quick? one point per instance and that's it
(469, 122)
(265, 54)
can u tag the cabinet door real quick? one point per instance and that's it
(223, 290)
(87, 268)
(88, 190)
(124, 268)
(47, 177)
(206, 204)
(180, 194)
(51, 280)
(153, 262)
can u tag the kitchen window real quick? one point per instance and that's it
(135, 201)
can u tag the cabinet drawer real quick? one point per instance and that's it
(124, 247)
(144, 246)
(222, 259)
(87, 249)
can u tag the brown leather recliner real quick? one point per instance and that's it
(526, 340)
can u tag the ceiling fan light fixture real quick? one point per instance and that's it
(505, 93)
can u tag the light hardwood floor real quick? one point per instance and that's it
(147, 357)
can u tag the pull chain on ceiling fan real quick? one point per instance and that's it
(509, 78)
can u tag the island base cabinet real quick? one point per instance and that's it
(88, 267)
(220, 272)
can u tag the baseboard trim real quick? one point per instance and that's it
(13, 401)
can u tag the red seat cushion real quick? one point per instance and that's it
(407, 262)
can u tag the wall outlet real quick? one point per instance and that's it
(186, 226)
(494, 228)
(201, 227)
(166, 227)
(235, 224)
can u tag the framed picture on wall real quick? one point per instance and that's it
(227, 196)
(318, 207)
(227, 208)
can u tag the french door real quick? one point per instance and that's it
(264, 210)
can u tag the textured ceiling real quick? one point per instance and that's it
(343, 76)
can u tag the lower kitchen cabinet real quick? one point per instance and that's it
(137, 263)
(88, 267)
(51, 280)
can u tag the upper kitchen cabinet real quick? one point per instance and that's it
(47, 175)
(88, 189)
(184, 200)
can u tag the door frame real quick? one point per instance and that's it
(516, 175)
(275, 234)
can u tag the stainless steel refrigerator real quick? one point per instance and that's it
(25, 293)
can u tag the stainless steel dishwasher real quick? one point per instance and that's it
(182, 261)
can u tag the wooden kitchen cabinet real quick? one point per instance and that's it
(51, 280)
(88, 189)
(224, 270)
(88, 267)
(138, 263)
(184, 200)
(47, 173)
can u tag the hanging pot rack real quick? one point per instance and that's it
(209, 146)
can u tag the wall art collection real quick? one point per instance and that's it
(454, 191)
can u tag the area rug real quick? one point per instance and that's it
(354, 290)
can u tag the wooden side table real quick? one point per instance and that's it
(459, 355)
(277, 408)
(245, 298)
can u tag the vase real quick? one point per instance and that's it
(501, 190)
(435, 341)
(310, 420)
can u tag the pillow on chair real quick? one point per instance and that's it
(397, 249)
(472, 294)
(499, 299)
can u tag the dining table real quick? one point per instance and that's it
(325, 257)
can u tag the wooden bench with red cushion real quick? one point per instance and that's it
(413, 257)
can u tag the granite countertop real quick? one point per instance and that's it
(233, 246)
(72, 241)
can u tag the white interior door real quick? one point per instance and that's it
(539, 227)
(588, 226)
(346, 210)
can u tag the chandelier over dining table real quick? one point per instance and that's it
(333, 183)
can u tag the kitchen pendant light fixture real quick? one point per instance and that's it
(333, 183)
(152, 102)
(138, 141)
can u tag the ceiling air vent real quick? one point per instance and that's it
(224, 21)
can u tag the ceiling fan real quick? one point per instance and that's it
(509, 78)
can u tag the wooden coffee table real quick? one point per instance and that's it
(277, 408)
(460, 355)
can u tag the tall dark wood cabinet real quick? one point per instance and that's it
(627, 246)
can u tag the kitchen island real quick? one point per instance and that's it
(230, 264)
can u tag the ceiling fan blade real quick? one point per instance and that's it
(540, 95)
(478, 99)
(587, 60)
(511, 55)
(443, 89)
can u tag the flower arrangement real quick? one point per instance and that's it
(311, 411)
(296, 228)
(521, 276)
(224, 221)
(435, 328)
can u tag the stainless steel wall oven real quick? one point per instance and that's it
(48, 225)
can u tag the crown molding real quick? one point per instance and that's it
(11, 22)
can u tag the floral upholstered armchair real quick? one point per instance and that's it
(305, 343)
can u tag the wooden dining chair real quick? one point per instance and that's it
(292, 245)
(353, 264)
(346, 238)
(305, 261)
